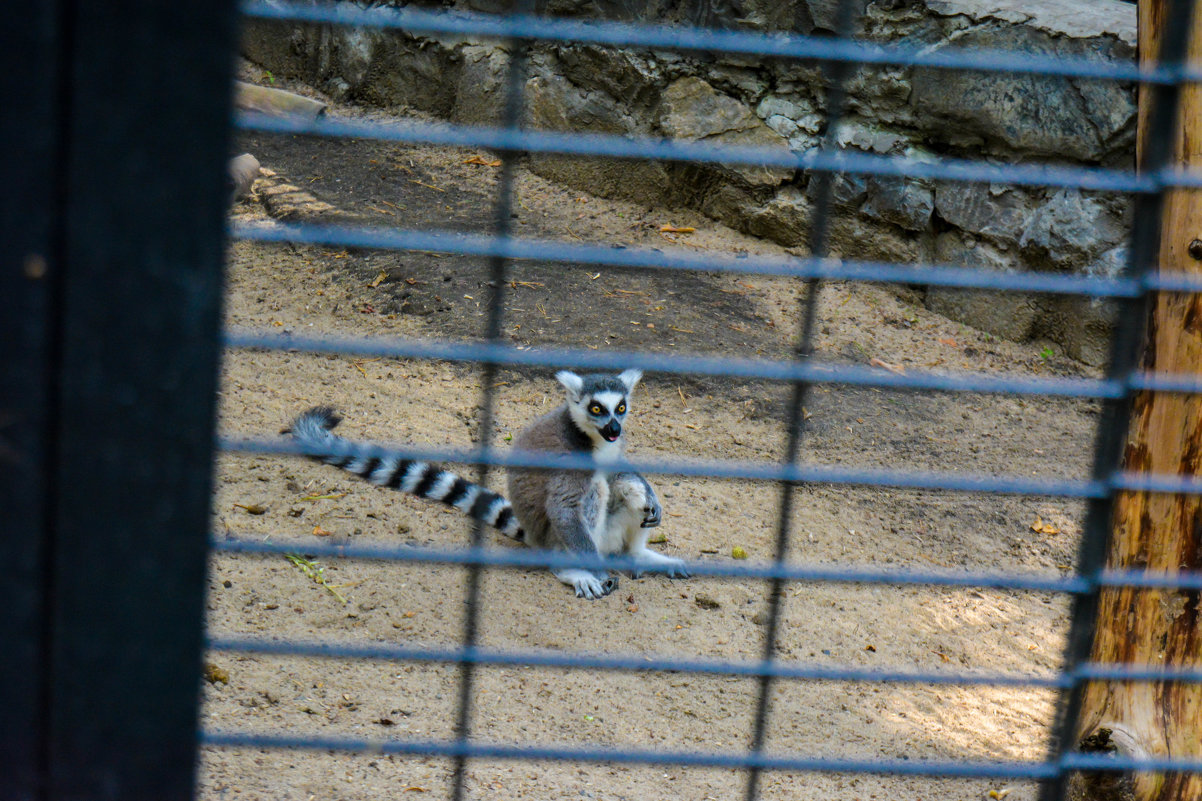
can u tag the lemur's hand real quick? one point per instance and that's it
(652, 512)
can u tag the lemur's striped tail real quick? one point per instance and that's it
(313, 430)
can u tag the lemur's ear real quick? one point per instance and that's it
(571, 382)
(630, 378)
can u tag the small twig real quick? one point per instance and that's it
(317, 574)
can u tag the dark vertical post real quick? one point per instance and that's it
(28, 133)
(113, 215)
(1159, 133)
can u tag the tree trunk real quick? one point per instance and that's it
(1156, 531)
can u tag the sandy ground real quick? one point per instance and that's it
(330, 291)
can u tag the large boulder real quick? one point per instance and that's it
(693, 111)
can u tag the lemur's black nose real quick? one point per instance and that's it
(612, 430)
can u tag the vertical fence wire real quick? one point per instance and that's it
(837, 74)
(515, 76)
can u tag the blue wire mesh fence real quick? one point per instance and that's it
(802, 373)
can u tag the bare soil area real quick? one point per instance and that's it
(315, 291)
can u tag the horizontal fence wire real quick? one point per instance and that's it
(676, 664)
(1098, 179)
(686, 364)
(465, 244)
(798, 473)
(1112, 390)
(958, 769)
(728, 469)
(794, 573)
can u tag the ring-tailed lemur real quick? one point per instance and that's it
(580, 511)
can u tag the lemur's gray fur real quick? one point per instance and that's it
(588, 512)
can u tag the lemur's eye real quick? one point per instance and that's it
(621, 408)
(595, 409)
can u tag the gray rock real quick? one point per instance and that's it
(406, 71)
(773, 106)
(767, 15)
(337, 88)
(824, 14)
(994, 211)
(1039, 115)
(861, 135)
(783, 126)
(848, 190)
(740, 77)
(725, 202)
(626, 75)
(904, 203)
(353, 50)
(1012, 315)
(1070, 229)
(853, 236)
(692, 110)
(480, 94)
(555, 104)
(1111, 264)
(784, 219)
(1111, 20)
(1083, 326)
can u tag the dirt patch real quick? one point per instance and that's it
(329, 291)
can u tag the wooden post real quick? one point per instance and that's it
(1156, 531)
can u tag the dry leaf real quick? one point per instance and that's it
(1041, 527)
(379, 279)
(483, 162)
(252, 509)
(321, 532)
(674, 229)
(951, 342)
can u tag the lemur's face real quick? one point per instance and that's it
(599, 403)
(606, 411)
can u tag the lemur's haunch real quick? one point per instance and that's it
(580, 511)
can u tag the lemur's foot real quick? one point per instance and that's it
(587, 584)
(652, 562)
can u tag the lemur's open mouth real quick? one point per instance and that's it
(610, 437)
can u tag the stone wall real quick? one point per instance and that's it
(920, 113)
